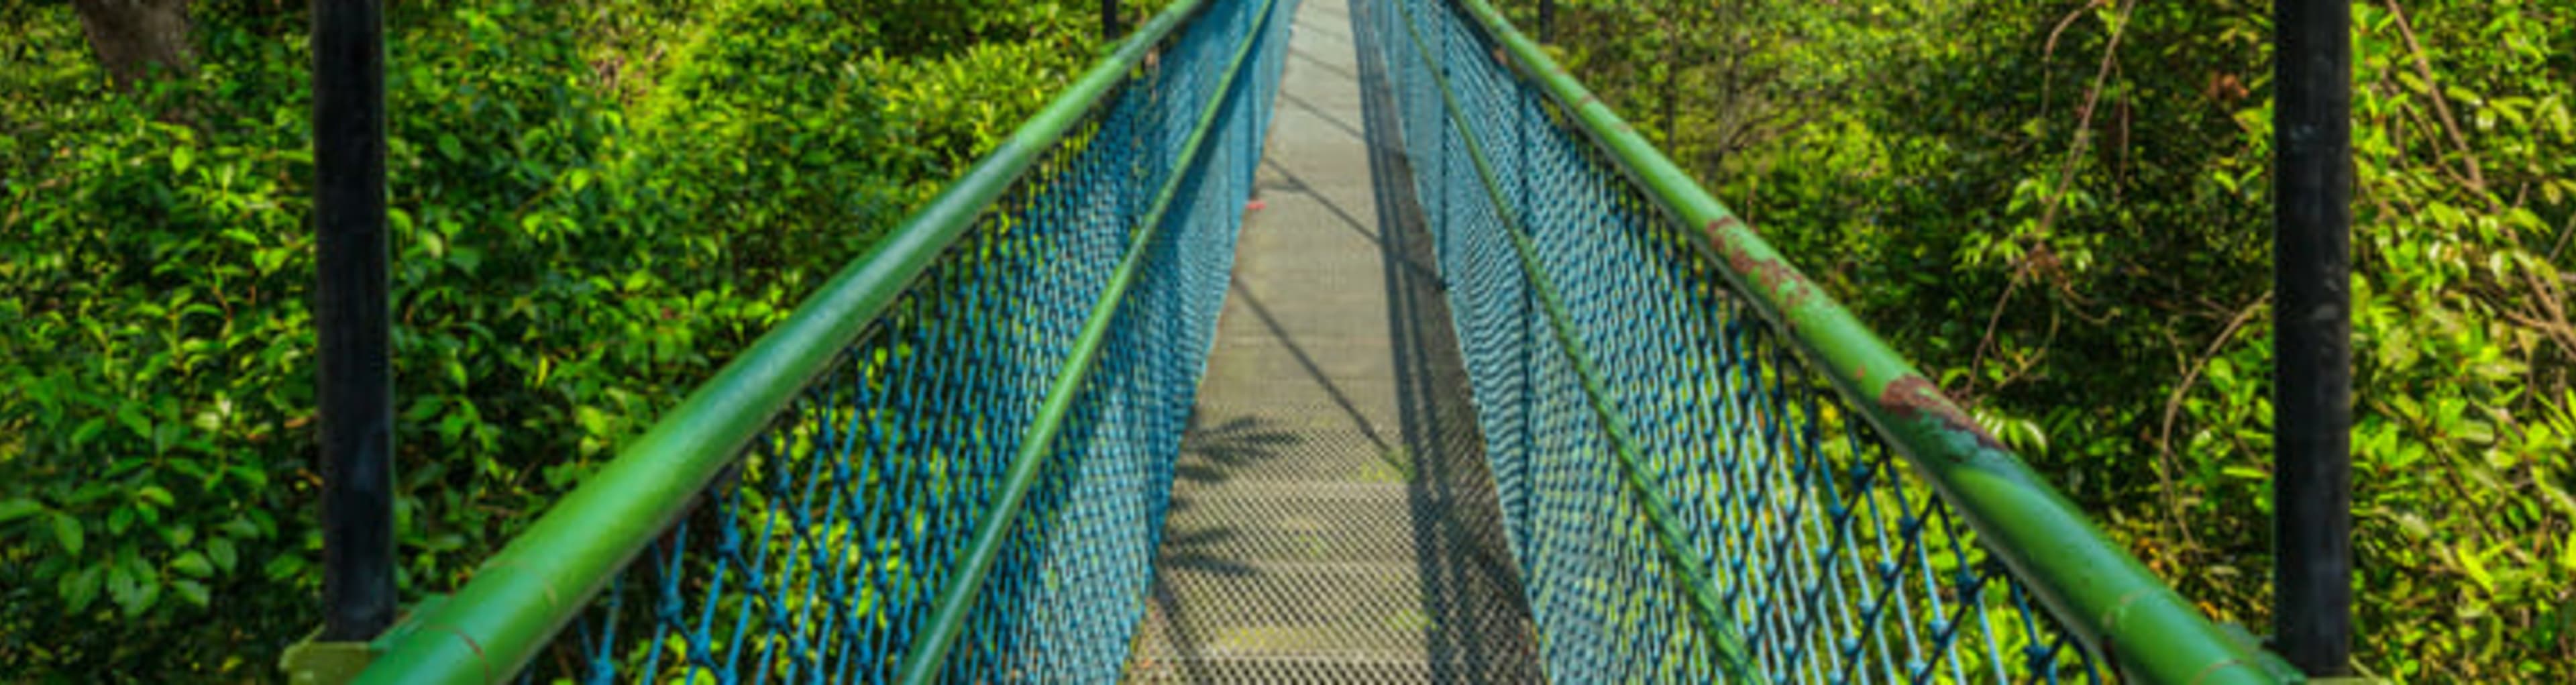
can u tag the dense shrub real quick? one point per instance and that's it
(2062, 208)
(595, 203)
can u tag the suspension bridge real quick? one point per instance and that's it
(1317, 341)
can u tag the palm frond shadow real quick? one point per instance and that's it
(1210, 453)
(1237, 443)
(1214, 453)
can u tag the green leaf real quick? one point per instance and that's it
(132, 416)
(2472, 430)
(2222, 373)
(248, 474)
(2476, 567)
(156, 495)
(448, 145)
(466, 258)
(18, 508)
(193, 592)
(423, 408)
(284, 566)
(270, 260)
(193, 563)
(182, 157)
(147, 592)
(592, 420)
(67, 530)
(220, 550)
(79, 589)
(121, 587)
(88, 429)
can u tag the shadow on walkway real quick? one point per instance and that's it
(1471, 588)
(1210, 454)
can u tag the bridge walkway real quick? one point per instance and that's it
(1333, 520)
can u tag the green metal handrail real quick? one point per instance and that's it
(1701, 594)
(537, 584)
(923, 665)
(2119, 609)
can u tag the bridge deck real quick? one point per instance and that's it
(1333, 520)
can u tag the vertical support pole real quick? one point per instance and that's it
(350, 308)
(2312, 402)
(1109, 28)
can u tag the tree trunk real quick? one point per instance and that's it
(134, 37)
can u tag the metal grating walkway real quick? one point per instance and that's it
(1333, 520)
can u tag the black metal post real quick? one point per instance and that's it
(350, 308)
(1547, 21)
(1109, 27)
(2312, 396)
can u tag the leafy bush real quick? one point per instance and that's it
(2063, 208)
(594, 204)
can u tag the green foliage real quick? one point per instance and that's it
(2062, 207)
(595, 203)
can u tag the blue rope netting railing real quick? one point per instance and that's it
(1701, 475)
(972, 479)
(1599, 349)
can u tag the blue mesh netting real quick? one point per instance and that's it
(1829, 561)
(819, 556)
